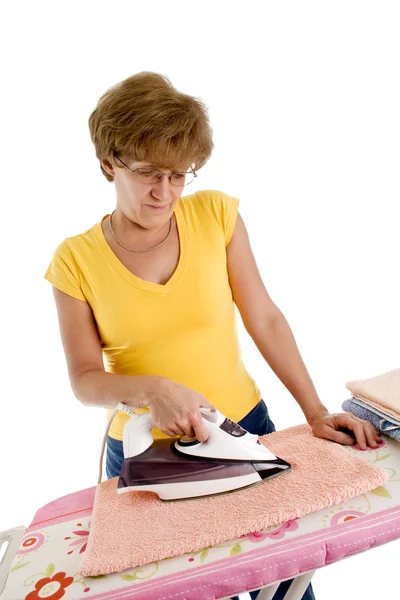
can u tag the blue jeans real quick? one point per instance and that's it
(256, 421)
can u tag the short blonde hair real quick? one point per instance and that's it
(146, 118)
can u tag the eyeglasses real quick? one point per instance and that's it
(153, 176)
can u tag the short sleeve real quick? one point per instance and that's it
(224, 209)
(63, 272)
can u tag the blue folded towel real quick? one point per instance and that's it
(383, 423)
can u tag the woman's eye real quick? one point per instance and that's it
(147, 173)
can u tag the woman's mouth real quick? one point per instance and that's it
(158, 208)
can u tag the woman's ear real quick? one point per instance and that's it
(108, 167)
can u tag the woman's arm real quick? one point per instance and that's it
(273, 336)
(91, 384)
(175, 407)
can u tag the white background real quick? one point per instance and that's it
(304, 100)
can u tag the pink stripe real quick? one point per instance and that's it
(226, 566)
(64, 508)
(72, 516)
(286, 559)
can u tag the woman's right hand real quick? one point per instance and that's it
(175, 409)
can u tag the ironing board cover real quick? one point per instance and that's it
(47, 563)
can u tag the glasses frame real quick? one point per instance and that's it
(191, 172)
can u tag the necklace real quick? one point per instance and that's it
(146, 249)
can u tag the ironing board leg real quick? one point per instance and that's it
(13, 537)
(295, 591)
(299, 586)
(267, 593)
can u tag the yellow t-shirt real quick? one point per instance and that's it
(184, 330)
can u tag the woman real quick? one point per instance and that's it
(145, 298)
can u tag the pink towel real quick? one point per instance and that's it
(137, 528)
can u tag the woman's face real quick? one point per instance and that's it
(148, 204)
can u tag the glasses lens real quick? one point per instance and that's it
(152, 176)
(182, 178)
(147, 175)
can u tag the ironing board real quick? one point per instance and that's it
(49, 551)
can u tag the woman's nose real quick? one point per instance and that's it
(164, 186)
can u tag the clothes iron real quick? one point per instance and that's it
(183, 468)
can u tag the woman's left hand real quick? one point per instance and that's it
(328, 426)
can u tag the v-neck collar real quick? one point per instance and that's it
(132, 279)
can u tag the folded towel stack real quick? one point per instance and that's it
(377, 400)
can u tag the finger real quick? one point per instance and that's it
(356, 425)
(186, 428)
(168, 432)
(358, 429)
(178, 431)
(200, 430)
(373, 438)
(377, 434)
(191, 433)
(172, 430)
(337, 436)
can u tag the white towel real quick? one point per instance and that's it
(381, 392)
